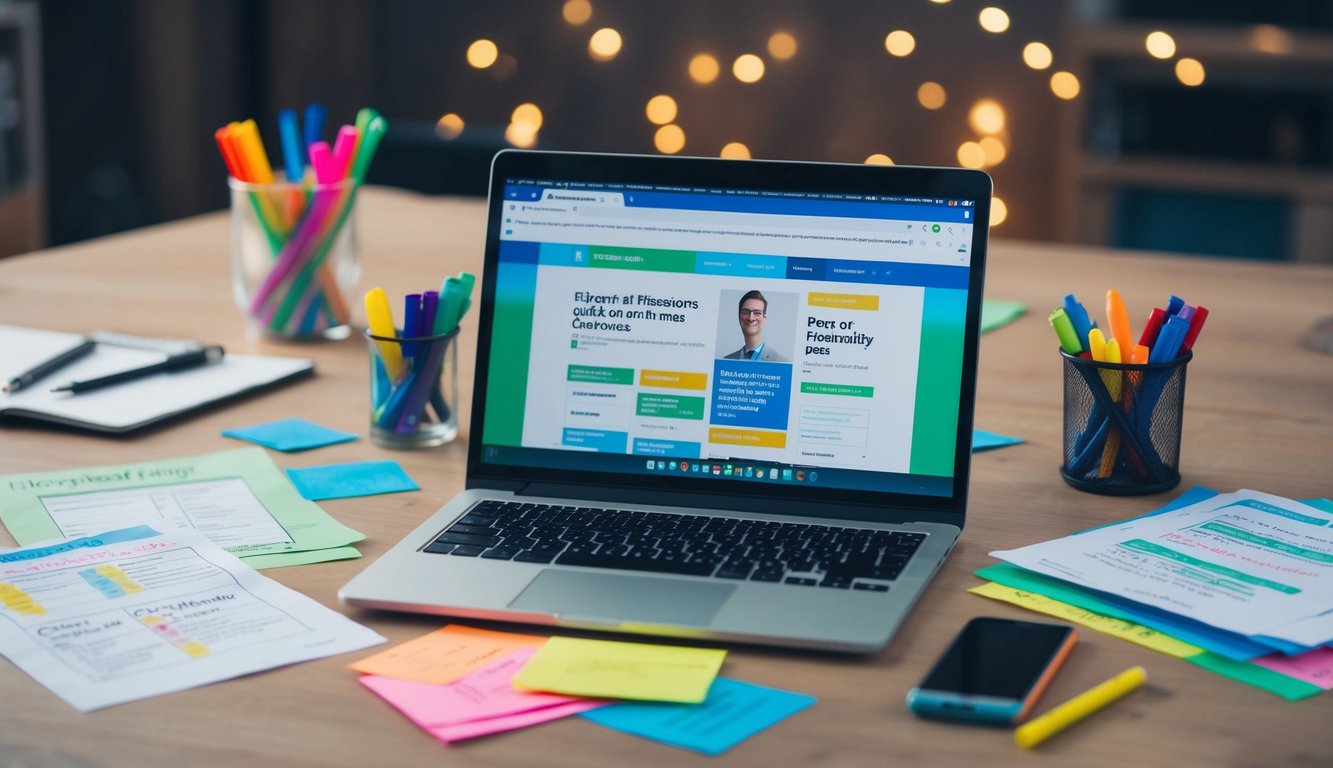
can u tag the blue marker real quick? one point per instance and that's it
(292, 149)
(1079, 317)
(314, 124)
(1168, 341)
(1173, 305)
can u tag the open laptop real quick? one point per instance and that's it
(714, 399)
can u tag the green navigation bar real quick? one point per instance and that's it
(651, 259)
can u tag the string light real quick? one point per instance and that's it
(879, 159)
(931, 95)
(704, 68)
(1037, 55)
(971, 155)
(577, 12)
(998, 211)
(1064, 85)
(899, 42)
(669, 139)
(781, 45)
(748, 68)
(604, 44)
(993, 19)
(482, 53)
(1160, 45)
(449, 127)
(1190, 72)
(986, 116)
(736, 151)
(661, 109)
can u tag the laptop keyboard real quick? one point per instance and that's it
(691, 545)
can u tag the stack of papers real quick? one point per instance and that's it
(1239, 583)
(127, 614)
(459, 683)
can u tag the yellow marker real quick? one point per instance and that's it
(380, 318)
(1042, 728)
(1097, 345)
(1113, 384)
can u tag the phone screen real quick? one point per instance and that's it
(997, 657)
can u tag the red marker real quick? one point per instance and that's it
(1196, 325)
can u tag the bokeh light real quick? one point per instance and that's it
(527, 113)
(1160, 45)
(482, 53)
(1037, 55)
(1267, 38)
(704, 68)
(736, 151)
(971, 155)
(661, 109)
(986, 116)
(1064, 85)
(448, 127)
(748, 68)
(669, 139)
(1189, 71)
(931, 95)
(879, 158)
(993, 19)
(577, 12)
(998, 211)
(781, 45)
(899, 42)
(604, 44)
(521, 135)
(993, 150)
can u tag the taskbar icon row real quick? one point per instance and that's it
(733, 471)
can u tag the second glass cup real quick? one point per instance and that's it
(413, 390)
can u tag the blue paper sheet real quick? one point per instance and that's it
(290, 435)
(734, 711)
(983, 440)
(359, 478)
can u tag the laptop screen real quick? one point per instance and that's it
(736, 339)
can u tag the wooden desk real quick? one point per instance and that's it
(1259, 414)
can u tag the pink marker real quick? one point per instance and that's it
(343, 147)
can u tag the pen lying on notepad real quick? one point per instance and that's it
(178, 362)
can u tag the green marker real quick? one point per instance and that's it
(1064, 328)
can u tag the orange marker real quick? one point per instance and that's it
(1118, 318)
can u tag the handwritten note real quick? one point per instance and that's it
(446, 654)
(478, 704)
(614, 670)
(734, 711)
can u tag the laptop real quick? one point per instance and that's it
(714, 399)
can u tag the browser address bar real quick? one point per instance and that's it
(748, 221)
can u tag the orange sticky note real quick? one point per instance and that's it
(446, 654)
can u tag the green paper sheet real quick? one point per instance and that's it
(238, 498)
(998, 312)
(1288, 688)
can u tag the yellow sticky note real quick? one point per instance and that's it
(1125, 630)
(611, 670)
(446, 654)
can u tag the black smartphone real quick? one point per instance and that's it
(994, 671)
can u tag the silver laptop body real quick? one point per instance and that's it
(625, 363)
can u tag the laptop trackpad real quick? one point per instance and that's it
(620, 597)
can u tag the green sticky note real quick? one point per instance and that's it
(1288, 688)
(615, 670)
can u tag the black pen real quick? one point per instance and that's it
(50, 366)
(191, 359)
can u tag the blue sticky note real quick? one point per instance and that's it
(358, 478)
(290, 435)
(733, 712)
(983, 440)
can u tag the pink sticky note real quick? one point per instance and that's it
(1314, 667)
(481, 703)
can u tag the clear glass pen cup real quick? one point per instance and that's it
(295, 261)
(413, 390)
(1122, 425)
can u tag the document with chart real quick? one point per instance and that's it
(128, 614)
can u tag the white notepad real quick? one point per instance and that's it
(134, 404)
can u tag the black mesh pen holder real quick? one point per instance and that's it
(1122, 425)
